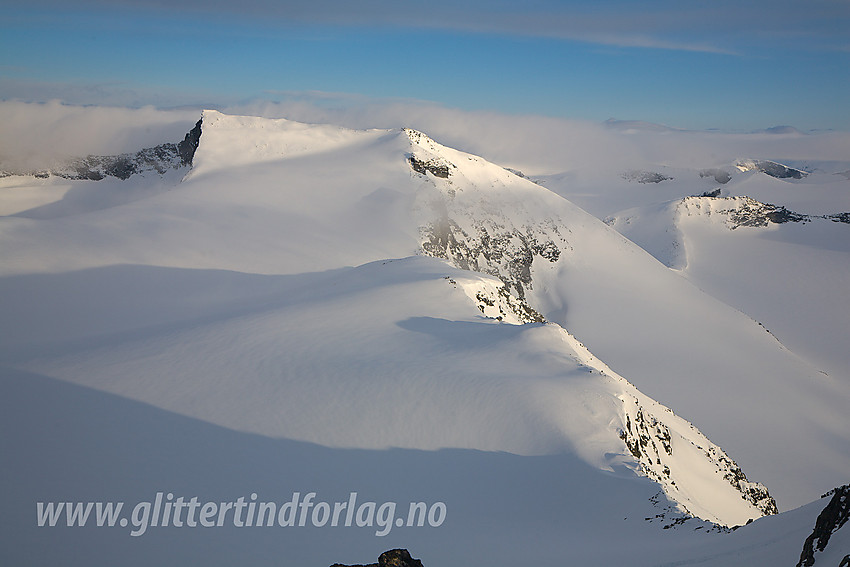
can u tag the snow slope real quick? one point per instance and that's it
(503, 509)
(774, 248)
(282, 290)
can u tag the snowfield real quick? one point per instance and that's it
(316, 308)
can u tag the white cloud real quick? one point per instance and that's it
(718, 27)
(36, 134)
(540, 145)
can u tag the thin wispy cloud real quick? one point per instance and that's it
(724, 64)
(660, 24)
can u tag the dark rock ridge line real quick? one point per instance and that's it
(642, 176)
(771, 168)
(829, 521)
(391, 558)
(650, 442)
(746, 211)
(160, 159)
(755, 213)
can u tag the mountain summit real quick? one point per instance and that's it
(375, 291)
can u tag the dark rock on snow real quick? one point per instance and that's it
(830, 520)
(160, 159)
(392, 558)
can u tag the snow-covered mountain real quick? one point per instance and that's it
(341, 297)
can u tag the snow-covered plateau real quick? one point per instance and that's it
(643, 365)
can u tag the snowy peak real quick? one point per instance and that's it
(422, 140)
(473, 229)
(290, 199)
(424, 157)
(234, 141)
(771, 168)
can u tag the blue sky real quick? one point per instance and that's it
(722, 64)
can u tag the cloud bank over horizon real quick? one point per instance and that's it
(37, 134)
(725, 65)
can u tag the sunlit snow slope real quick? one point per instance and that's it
(374, 289)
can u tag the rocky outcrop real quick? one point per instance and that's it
(829, 521)
(755, 213)
(649, 440)
(186, 149)
(493, 243)
(642, 176)
(433, 167)
(493, 249)
(771, 168)
(746, 211)
(391, 558)
(741, 211)
(159, 159)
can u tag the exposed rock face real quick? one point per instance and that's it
(496, 302)
(746, 211)
(741, 211)
(489, 243)
(754, 213)
(493, 249)
(649, 440)
(460, 224)
(645, 176)
(391, 558)
(431, 166)
(160, 159)
(830, 520)
(186, 148)
(771, 168)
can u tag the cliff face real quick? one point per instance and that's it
(834, 515)
(157, 159)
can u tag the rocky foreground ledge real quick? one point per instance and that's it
(391, 558)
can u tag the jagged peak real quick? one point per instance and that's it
(420, 138)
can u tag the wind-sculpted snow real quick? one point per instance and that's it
(377, 291)
(494, 243)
